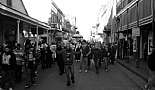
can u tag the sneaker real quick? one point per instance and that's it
(73, 81)
(80, 71)
(86, 71)
(147, 87)
(68, 83)
(61, 73)
(97, 72)
(27, 86)
(10, 88)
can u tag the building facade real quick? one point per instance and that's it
(61, 27)
(135, 26)
(16, 25)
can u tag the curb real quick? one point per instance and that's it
(140, 84)
(136, 73)
(133, 71)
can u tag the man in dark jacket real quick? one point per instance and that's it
(96, 53)
(8, 65)
(151, 66)
(69, 66)
(60, 57)
(85, 52)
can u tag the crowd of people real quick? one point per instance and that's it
(18, 64)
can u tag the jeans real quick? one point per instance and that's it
(106, 59)
(84, 63)
(96, 61)
(69, 69)
(8, 79)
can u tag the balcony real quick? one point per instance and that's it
(122, 4)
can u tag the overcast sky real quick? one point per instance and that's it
(85, 11)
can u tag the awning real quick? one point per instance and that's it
(18, 15)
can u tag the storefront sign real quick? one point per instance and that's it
(135, 32)
(121, 36)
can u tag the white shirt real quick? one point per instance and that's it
(6, 59)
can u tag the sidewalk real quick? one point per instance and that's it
(142, 71)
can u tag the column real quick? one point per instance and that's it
(138, 39)
(37, 38)
(18, 32)
(153, 20)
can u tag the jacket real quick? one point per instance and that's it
(68, 56)
(11, 65)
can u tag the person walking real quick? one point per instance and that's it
(90, 56)
(49, 57)
(8, 65)
(112, 56)
(77, 52)
(19, 59)
(30, 67)
(107, 58)
(60, 57)
(44, 56)
(85, 51)
(96, 56)
(69, 66)
(151, 66)
(145, 51)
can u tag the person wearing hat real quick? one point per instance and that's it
(151, 66)
(8, 65)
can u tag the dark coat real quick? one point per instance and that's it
(12, 62)
(151, 61)
(68, 53)
(96, 53)
(60, 54)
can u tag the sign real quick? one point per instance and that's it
(135, 32)
(121, 36)
(134, 45)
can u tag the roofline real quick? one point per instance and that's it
(133, 2)
(26, 16)
(24, 7)
(59, 10)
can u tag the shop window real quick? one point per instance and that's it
(9, 3)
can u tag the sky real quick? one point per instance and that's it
(85, 11)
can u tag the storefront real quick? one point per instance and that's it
(14, 25)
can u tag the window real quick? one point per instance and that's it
(9, 3)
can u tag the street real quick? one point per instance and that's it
(115, 79)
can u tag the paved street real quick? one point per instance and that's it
(116, 79)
